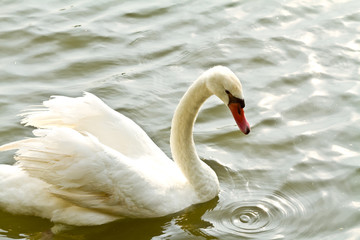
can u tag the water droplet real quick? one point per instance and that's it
(244, 218)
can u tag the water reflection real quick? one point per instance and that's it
(192, 221)
(19, 227)
(123, 229)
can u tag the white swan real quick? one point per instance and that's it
(89, 164)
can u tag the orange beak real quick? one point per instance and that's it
(239, 116)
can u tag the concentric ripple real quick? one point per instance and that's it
(250, 218)
(266, 218)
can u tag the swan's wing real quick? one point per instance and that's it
(89, 174)
(89, 114)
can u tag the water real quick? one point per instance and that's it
(295, 176)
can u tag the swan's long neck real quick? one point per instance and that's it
(199, 175)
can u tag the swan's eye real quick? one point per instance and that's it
(233, 99)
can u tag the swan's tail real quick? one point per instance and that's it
(62, 111)
(53, 152)
(22, 194)
(51, 177)
(13, 145)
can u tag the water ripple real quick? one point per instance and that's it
(266, 218)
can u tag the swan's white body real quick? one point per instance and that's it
(89, 164)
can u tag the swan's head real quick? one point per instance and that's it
(222, 82)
